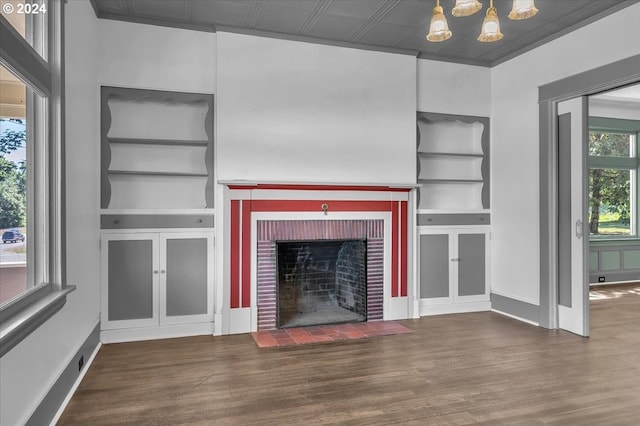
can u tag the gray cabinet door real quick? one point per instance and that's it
(434, 266)
(471, 264)
(186, 277)
(130, 277)
(152, 279)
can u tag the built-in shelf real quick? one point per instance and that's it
(149, 173)
(453, 174)
(428, 181)
(449, 154)
(133, 212)
(452, 162)
(169, 142)
(156, 150)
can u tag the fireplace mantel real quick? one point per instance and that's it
(248, 203)
(317, 186)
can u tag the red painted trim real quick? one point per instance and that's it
(316, 205)
(404, 240)
(294, 187)
(246, 253)
(234, 250)
(240, 248)
(394, 250)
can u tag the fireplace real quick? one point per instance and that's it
(261, 215)
(321, 282)
(344, 257)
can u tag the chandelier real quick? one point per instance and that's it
(439, 28)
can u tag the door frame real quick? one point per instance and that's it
(607, 77)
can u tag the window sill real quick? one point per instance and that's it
(22, 316)
(613, 241)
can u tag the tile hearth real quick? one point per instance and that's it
(326, 333)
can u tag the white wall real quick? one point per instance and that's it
(97, 52)
(29, 370)
(292, 111)
(161, 58)
(515, 140)
(449, 88)
(613, 109)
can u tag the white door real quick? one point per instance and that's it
(573, 285)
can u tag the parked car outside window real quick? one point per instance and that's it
(12, 236)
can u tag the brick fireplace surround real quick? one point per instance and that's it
(261, 214)
(310, 230)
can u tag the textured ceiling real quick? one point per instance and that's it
(386, 25)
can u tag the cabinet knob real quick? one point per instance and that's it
(455, 260)
(155, 271)
(162, 271)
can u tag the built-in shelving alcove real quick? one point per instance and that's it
(453, 162)
(157, 150)
(453, 213)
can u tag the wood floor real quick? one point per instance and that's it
(480, 368)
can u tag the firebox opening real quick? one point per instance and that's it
(321, 282)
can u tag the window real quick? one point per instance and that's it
(28, 19)
(32, 287)
(613, 178)
(13, 186)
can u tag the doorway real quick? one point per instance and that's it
(614, 197)
(552, 256)
(614, 179)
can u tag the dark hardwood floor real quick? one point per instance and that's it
(479, 368)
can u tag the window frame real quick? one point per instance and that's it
(631, 163)
(25, 313)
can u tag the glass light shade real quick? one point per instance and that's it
(523, 9)
(490, 27)
(439, 28)
(466, 7)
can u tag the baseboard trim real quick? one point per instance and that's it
(613, 276)
(537, 324)
(75, 386)
(52, 405)
(516, 309)
(153, 333)
(453, 308)
(595, 286)
(514, 297)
